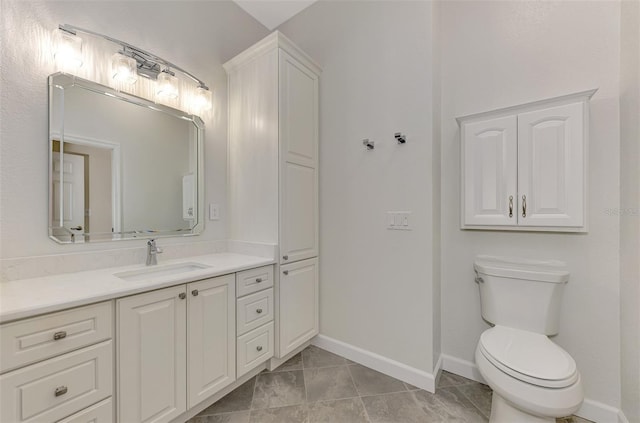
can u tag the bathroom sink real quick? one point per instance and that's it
(159, 271)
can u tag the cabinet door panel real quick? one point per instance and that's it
(152, 378)
(298, 213)
(551, 166)
(298, 112)
(211, 330)
(298, 307)
(489, 172)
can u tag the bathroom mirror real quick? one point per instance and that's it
(121, 167)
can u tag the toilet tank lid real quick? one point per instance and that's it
(519, 268)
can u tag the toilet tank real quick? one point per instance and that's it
(521, 293)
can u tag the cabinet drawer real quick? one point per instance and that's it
(254, 348)
(254, 280)
(254, 310)
(31, 340)
(58, 387)
(101, 412)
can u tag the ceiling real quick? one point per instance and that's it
(271, 13)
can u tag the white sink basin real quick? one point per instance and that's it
(159, 271)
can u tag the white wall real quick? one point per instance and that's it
(198, 36)
(497, 54)
(630, 210)
(376, 284)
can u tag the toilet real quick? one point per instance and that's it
(533, 379)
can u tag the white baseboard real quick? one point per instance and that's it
(462, 368)
(389, 367)
(590, 410)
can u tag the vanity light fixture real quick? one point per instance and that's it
(124, 68)
(130, 62)
(68, 49)
(203, 99)
(167, 85)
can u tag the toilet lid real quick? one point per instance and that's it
(528, 356)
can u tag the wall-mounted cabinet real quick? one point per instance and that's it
(273, 165)
(525, 167)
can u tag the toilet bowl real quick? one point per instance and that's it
(533, 379)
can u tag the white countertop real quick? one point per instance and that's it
(30, 297)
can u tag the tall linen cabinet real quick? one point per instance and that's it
(273, 174)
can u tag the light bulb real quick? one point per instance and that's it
(68, 52)
(124, 68)
(167, 85)
(203, 99)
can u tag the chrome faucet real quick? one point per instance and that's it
(152, 252)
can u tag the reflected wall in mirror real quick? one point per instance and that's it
(121, 167)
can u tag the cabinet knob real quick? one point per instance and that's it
(285, 257)
(194, 292)
(182, 295)
(258, 280)
(286, 272)
(259, 310)
(259, 348)
(524, 206)
(59, 335)
(60, 390)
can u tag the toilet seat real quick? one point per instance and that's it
(529, 357)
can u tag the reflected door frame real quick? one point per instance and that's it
(116, 155)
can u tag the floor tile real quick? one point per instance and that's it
(400, 407)
(410, 387)
(279, 389)
(371, 382)
(237, 400)
(317, 357)
(328, 383)
(240, 417)
(459, 405)
(450, 379)
(338, 411)
(294, 363)
(291, 414)
(480, 395)
(434, 409)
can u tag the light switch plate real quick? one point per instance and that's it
(214, 212)
(399, 220)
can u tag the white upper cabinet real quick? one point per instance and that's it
(525, 167)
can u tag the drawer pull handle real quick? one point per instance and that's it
(194, 292)
(259, 348)
(182, 295)
(286, 272)
(258, 280)
(59, 335)
(511, 206)
(259, 310)
(524, 206)
(285, 257)
(60, 390)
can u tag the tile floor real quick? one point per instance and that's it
(317, 386)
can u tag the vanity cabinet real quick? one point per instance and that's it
(525, 167)
(176, 348)
(273, 161)
(58, 365)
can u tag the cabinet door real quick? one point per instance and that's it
(298, 109)
(551, 161)
(152, 341)
(298, 304)
(489, 172)
(298, 123)
(211, 334)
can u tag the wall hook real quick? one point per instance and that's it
(400, 138)
(369, 144)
